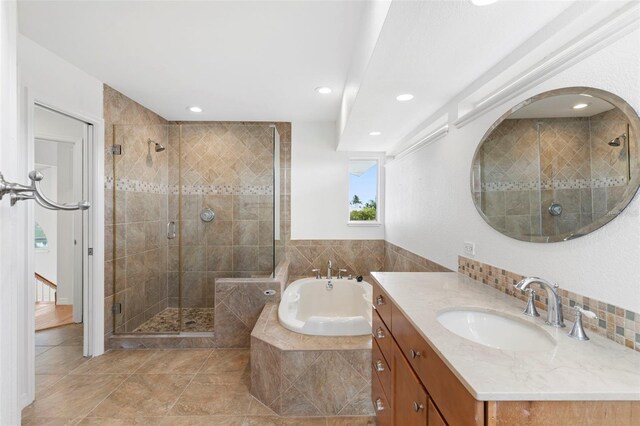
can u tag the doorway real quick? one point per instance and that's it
(59, 242)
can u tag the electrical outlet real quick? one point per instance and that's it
(469, 248)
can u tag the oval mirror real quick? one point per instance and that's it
(558, 166)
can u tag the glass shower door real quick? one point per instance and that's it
(138, 194)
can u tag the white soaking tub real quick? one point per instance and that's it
(310, 306)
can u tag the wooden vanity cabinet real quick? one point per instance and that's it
(418, 388)
(412, 385)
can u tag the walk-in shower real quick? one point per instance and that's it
(165, 253)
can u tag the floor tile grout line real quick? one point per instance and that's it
(189, 384)
(114, 389)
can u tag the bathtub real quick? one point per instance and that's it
(308, 306)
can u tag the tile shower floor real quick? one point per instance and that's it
(148, 387)
(193, 320)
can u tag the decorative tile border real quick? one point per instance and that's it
(605, 182)
(224, 189)
(614, 323)
(131, 185)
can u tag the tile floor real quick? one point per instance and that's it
(148, 387)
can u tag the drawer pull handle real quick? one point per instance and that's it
(380, 301)
(379, 405)
(417, 407)
(380, 333)
(379, 365)
(415, 354)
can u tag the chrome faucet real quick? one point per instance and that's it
(554, 308)
(329, 276)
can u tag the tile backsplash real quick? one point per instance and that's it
(613, 322)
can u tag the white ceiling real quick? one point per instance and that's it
(562, 107)
(434, 50)
(262, 60)
(237, 60)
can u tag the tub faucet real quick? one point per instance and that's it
(329, 276)
(554, 310)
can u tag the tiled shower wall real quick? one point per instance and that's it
(139, 262)
(521, 177)
(227, 167)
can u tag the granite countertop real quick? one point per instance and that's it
(598, 369)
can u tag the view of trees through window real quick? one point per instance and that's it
(363, 190)
(40, 240)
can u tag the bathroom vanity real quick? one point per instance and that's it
(424, 374)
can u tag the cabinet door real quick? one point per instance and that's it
(433, 416)
(409, 397)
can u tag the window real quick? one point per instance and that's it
(363, 190)
(40, 240)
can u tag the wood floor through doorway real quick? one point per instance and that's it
(49, 315)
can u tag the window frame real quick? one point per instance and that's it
(379, 200)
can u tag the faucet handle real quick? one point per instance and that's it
(317, 271)
(340, 271)
(586, 313)
(531, 310)
(577, 332)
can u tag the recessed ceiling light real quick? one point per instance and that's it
(580, 106)
(374, 133)
(483, 2)
(404, 97)
(323, 90)
(194, 109)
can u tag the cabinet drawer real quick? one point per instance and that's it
(433, 416)
(381, 303)
(381, 406)
(409, 397)
(382, 337)
(381, 368)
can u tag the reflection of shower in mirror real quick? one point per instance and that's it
(618, 141)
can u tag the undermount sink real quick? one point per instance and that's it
(495, 330)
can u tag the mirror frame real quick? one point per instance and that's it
(634, 124)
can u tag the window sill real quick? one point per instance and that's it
(364, 223)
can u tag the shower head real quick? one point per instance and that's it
(158, 147)
(618, 141)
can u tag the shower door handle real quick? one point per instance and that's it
(171, 230)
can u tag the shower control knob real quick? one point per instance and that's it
(555, 209)
(207, 215)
